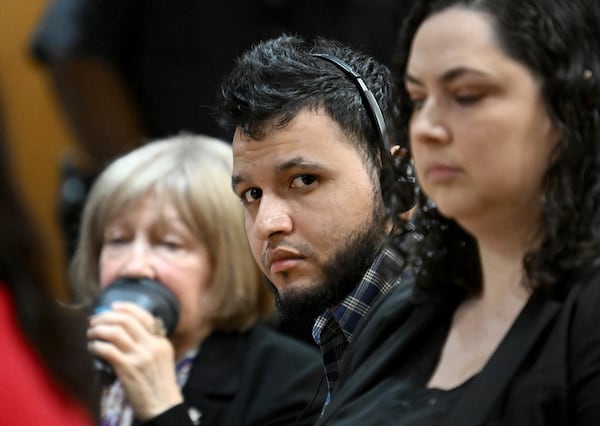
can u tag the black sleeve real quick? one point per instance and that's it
(585, 356)
(178, 415)
(284, 382)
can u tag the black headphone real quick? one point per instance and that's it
(404, 184)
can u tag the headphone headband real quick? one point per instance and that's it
(366, 94)
(402, 185)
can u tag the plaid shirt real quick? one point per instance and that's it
(333, 329)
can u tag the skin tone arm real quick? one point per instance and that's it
(99, 108)
(143, 361)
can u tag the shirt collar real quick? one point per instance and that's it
(356, 305)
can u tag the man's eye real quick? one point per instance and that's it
(303, 181)
(251, 195)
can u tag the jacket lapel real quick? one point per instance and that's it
(487, 387)
(216, 370)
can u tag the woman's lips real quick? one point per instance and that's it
(441, 172)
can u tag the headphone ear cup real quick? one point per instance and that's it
(399, 188)
(406, 182)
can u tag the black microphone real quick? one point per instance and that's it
(146, 293)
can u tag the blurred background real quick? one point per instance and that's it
(35, 130)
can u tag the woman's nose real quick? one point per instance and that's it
(428, 123)
(138, 261)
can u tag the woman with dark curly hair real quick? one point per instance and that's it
(501, 103)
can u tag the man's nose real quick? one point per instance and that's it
(273, 217)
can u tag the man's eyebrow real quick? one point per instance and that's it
(296, 162)
(236, 180)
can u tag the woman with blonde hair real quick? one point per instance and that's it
(165, 212)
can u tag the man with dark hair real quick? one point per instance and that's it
(312, 167)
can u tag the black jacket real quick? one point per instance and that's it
(546, 371)
(255, 378)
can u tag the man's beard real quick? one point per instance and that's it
(342, 274)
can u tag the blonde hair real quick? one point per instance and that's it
(194, 173)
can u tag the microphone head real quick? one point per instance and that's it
(146, 293)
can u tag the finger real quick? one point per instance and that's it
(138, 325)
(139, 364)
(136, 311)
(154, 325)
(115, 345)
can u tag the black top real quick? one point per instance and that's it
(413, 403)
(426, 406)
(545, 372)
(404, 391)
(259, 377)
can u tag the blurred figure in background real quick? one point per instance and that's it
(45, 368)
(165, 212)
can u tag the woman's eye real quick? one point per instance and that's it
(170, 244)
(417, 103)
(116, 240)
(303, 181)
(416, 97)
(251, 195)
(468, 99)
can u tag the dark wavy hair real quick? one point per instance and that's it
(559, 43)
(277, 78)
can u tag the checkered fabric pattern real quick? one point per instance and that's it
(334, 328)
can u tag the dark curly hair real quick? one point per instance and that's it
(277, 78)
(559, 43)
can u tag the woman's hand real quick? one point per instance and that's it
(129, 338)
